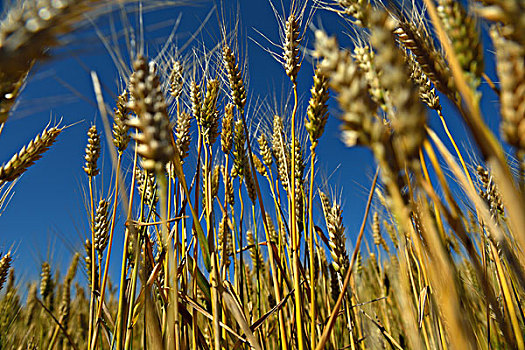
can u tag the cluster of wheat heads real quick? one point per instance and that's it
(211, 261)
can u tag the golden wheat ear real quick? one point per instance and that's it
(152, 121)
(29, 154)
(5, 265)
(92, 152)
(27, 30)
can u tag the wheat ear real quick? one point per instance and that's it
(29, 154)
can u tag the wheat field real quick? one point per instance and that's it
(245, 247)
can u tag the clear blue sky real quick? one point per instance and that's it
(46, 218)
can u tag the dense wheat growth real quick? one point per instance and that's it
(246, 247)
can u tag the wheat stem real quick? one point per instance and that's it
(93, 264)
(295, 236)
(313, 306)
(123, 271)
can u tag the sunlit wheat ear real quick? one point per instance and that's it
(45, 279)
(281, 152)
(182, 134)
(88, 263)
(255, 252)
(300, 162)
(274, 236)
(359, 263)
(5, 265)
(239, 150)
(358, 9)
(427, 93)
(391, 233)
(317, 113)
(209, 120)
(259, 166)
(489, 192)
(300, 166)
(225, 240)
(131, 249)
(47, 285)
(291, 47)
(241, 166)
(334, 224)
(72, 269)
(335, 289)
(345, 78)
(64, 308)
(227, 129)
(152, 122)
(101, 227)
(31, 304)
(120, 130)
(265, 151)
(176, 79)
(92, 152)
(196, 100)
(29, 154)
(364, 56)
(229, 196)
(27, 30)
(432, 61)
(463, 33)
(376, 233)
(410, 117)
(147, 186)
(511, 73)
(249, 182)
(215, 176)
(65, 302)
(238, 91)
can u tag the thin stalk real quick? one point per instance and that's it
(257, 267)
(123, 271)
(134, 273)
(224, 256)
(53, 340)
(93, 264)
(295, 236)
(134, 280)
(311, 247)
(240, 287)
(173, 304)
(214, 273)
(449, 135)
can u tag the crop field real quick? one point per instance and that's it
(210, 219)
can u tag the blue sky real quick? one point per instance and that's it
(46, 218)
